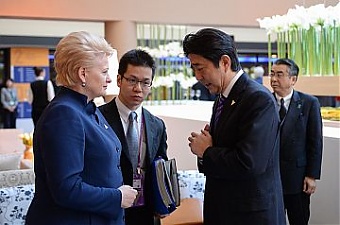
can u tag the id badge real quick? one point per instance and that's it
(137, 184)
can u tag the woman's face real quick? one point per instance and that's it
(97, 78)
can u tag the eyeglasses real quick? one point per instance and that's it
(133, 82)
(279, 75)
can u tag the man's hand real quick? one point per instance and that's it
(199, 142)
(309, 185)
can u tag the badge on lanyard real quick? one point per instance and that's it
(137, 184)
(138, 175)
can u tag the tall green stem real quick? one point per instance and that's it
(269, 54)
(336, 52)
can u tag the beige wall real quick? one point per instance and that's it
(46, 28)
(189, 12)
(54, 28)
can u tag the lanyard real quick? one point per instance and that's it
(140, 145)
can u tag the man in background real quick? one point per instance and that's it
(258, 74)
(301, 141)
(204, 95)
(135, 74)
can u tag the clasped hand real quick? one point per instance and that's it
(199, 142)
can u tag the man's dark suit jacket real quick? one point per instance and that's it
(301, 142)
(243, 184)
(156, 146)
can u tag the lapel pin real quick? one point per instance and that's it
(232, 102)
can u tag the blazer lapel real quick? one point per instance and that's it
(113, 118)
(292, 116)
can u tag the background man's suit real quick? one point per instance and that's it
(156, 146)
(242, 168)
(301, 143)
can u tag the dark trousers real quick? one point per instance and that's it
(10, 118)
(36, 113)
(140, 216)
(297, 207)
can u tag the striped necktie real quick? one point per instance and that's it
(220, 104)
(132, 139)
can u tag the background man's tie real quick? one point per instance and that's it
(132, 139)
(283, 110)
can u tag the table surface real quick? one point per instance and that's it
(190, 212)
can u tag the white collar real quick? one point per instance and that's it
(286, 98)
(232, 82)
(124, 111)
(39, 78)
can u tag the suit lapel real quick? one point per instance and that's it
(232, 101)
(150, 127)
(293, 113)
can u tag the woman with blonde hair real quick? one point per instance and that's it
(76, 153)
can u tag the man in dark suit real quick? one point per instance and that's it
(301, 141)
(239, 151)
(135, 74)
(205, 95)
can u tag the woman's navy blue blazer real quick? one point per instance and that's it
(76, 163)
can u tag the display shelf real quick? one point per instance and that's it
(331, 123)
(314, 85)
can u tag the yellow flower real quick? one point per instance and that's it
(27, 138)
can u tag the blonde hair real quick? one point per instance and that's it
(76, 50)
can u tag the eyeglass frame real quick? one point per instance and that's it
(279, 74)
(133, 82)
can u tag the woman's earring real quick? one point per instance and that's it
(83, 84)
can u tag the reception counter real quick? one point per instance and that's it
(184, 117)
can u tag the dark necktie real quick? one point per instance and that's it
(132, 139)
(220, 104)
(283, 110)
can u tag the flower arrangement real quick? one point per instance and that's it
(309, 36)
(27, 139)
(174, 78)
(172, 67)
